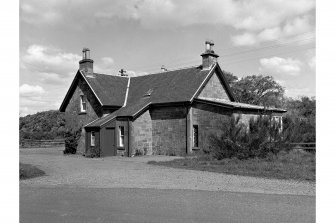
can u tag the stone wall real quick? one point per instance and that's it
(169, 130)
(74, 117)
(93, 151)
(208, 118)
(141, 134)
(214, 89)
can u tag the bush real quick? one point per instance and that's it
(261, 139)
(71, 140)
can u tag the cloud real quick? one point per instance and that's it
(242, 14)
(280, 65)
(132, 73)
(45, 71)
(312, 63)
(31, 91)
(152, 14)
(245, 39)
(299, 92)
(49, 59)
(105, 65)
(289, 29)
(40, 12)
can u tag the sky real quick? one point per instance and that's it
(267, 37)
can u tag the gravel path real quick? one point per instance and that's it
(124, 172)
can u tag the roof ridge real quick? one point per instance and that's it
(112, 75)
(176, 69)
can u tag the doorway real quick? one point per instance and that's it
(110, 149)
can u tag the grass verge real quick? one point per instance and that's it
(29, 171)
(296, 165)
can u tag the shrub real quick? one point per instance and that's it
(138, 152)
(71, 140)
(261, 139)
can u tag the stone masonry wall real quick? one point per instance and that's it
(141, 134)
(169, 130)
(208, 118)
(214, 89)
(75, 118)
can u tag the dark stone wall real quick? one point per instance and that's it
(121, 151)
(93, 151)
(141, 135)
(214, 89)
(169, 130)
(208, 118)
(74, 118)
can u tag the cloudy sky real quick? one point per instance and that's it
(270, 37)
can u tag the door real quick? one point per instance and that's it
(110, 149)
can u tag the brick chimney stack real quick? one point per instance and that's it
(86, 64)
(209, 57)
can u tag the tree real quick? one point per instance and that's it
(258, 90)
(300, 119)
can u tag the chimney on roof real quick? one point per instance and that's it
(209, 57)
(86, 64)
(163, 68)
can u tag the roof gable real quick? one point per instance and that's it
(214, 89)
(216, 70)
(109, 90)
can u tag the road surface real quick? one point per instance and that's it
(61, 204)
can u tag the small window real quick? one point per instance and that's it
(121, 134)
(82, 103)
(195, 136)
(92, 138)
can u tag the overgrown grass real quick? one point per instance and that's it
(29, 171)
(296, 165)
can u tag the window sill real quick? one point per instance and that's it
(120, 148)
(195, 148)
(82, 113)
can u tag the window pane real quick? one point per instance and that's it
(92, 138)
(195, 136)
(82, 103)
(121, 133)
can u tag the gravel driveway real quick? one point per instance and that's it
(124, 172)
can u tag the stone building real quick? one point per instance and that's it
(171, 112)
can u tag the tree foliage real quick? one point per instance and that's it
(42, 125)
(299, 122)
(258, 90)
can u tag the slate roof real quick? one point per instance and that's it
(110, 90)
(170, 86)
(129, 110)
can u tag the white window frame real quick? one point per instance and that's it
(83, 101)
(92, 138)
(121, 136)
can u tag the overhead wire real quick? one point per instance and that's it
(301, 42)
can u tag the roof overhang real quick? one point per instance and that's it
(240, 107)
